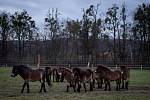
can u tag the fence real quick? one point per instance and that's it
(80, 62)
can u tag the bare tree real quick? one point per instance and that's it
(112, 19)
(52, 27)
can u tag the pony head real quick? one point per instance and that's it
(14, 71)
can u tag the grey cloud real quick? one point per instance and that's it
(68, 8)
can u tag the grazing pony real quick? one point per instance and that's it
(29, 74)
(69, 76)
(83, 76)
(125, 76)
(108, 76)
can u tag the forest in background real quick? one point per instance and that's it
(115, 36)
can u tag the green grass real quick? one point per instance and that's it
(10, 88)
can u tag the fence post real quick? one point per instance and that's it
(141, 67)
(69, 66)
(116, 66)
(88, 64)
(92, 68)
(38, 63)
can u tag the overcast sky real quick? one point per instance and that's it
(68, 8)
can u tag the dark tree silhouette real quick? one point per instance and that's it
(112, 19)
(4, 32)
(141, 31)
(23, 27)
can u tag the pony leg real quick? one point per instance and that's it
(109, 86)
(122, 84)
(126, 85)
(101, 82)
(105, 85)
(68, 88)
(57, 78)
(74, 88)
(48, 80)
(117, 85)
(93, 83)
(23, 87)
(84, 85)
(41, 87)
(79, 87)
(28, 88)
(62, 78)
(50, 76)
(91, 86)
(73, 85)
(98, 85)
(53, 77)
(70, 85)
(44, 87)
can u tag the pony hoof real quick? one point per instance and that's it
(78, 90)
(91, 89)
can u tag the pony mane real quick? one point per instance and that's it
(123, 66)
(22, 67)
(77, 69)
(103, 66)
(90, 70)
(67, 69)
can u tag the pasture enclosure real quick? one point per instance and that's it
(139, 89)
(75, 62)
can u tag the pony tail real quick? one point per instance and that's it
(47, 76)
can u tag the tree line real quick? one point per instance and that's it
(114, 36)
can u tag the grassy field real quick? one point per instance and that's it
(10, 88)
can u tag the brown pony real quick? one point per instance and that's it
(108, 76)
(29, 74)
(125, 76)
(69, 76)
(83, 76)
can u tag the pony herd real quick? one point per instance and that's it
(75, 77)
